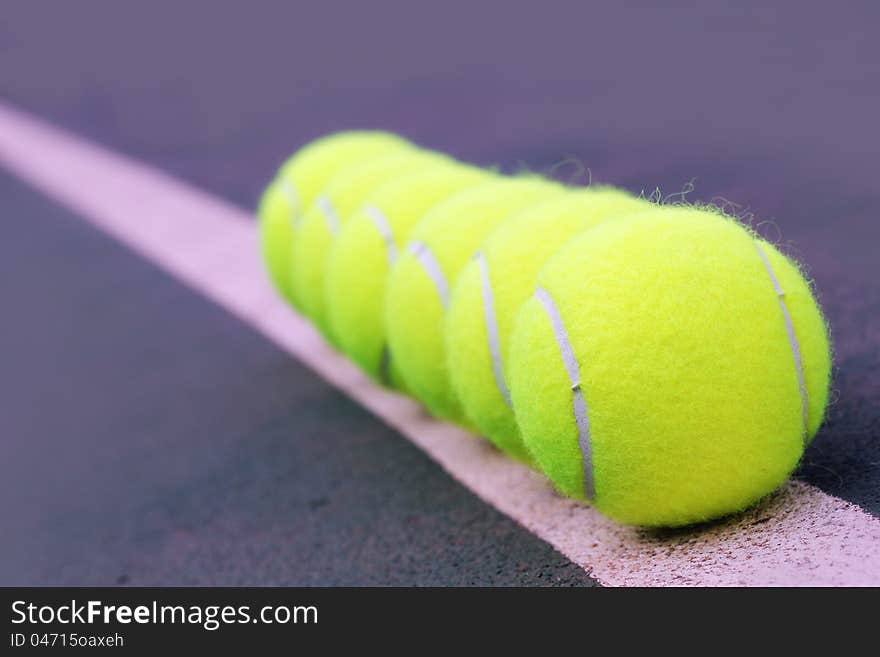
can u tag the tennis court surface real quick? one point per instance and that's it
(168, 421)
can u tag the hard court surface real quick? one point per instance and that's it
(150, 437)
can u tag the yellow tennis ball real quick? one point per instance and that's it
(495, 284)
(298, 183)
(364, 252)
(670, 368)
(425, 273)
(344, 194)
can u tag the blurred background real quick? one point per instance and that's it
(771, 108)
(644, 93)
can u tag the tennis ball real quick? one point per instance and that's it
(364, 252)
(331, 210)
(298, 183)
(670, 367)
(495, 284)
(421, 281)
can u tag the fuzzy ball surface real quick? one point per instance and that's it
(422, 280)
(296, 185)
(329, 213)
(494, 285)
(670, 368)
(365, 251)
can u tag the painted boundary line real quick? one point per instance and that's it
(801, 536)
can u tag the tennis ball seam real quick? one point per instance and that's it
(424, 255)
(288, 189)
(330, 215)
(383, 226)
(793, 341)
(579, 401)
(492, 333)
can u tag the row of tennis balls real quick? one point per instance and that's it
(664, 363)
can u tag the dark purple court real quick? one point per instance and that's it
(150, 438)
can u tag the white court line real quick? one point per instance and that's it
(801, 536)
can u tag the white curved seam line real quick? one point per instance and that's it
(428, 260)
(326, 207)
(793, 341)
(290, 193)
(492, 330)
(384, 227)
(579, 402)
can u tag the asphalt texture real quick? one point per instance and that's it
(153, 439)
